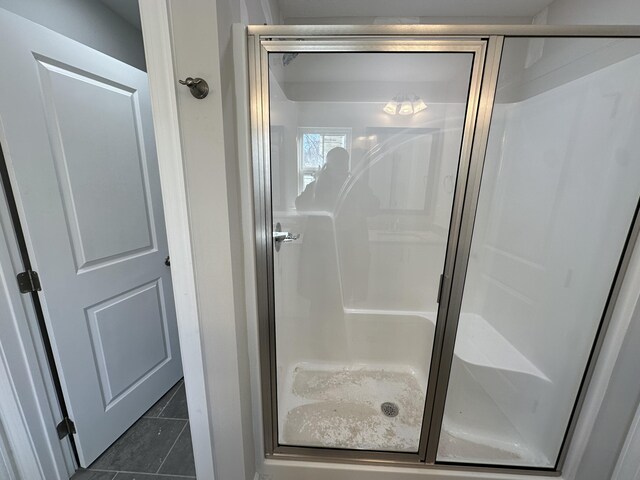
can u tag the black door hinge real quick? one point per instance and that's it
(65, 427)
(29, 281)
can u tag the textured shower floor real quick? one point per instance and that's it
(340, 408)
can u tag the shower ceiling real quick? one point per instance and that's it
(312, 76)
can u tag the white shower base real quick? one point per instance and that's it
(339, 406)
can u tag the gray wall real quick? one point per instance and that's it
(255, 12)
(87, 21)
(230, 12)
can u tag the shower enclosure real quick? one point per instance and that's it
(444, 216)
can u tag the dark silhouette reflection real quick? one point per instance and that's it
(337, 223)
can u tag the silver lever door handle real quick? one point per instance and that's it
(285, 236)
(280, 237)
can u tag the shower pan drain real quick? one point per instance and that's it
(390, 409)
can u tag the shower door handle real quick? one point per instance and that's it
(280, 237)
(285, 236)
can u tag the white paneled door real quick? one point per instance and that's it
(78, 138)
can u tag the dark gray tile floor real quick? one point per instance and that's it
(156, 447)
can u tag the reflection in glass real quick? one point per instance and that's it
(560, 185)
(370, 195)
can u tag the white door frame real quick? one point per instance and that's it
(29, 411)
(191, 157)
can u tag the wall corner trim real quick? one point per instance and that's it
(158, 41)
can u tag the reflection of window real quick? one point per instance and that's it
(313, 146)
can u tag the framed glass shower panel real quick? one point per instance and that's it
(356, 252)
(559, 194)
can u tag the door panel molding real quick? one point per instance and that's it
(114, 389)
(86, 229)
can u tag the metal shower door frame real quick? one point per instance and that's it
(486, 43)
(260, 48)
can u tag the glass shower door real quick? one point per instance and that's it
(364, 158)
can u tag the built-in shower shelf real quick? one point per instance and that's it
(479, 343)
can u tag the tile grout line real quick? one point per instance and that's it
(153, 474)
(116, 472)
(169, 401)
(180, 383)
(165, 406)
(174, 444)
(101, 470)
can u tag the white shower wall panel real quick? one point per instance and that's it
(561, 181)
(332, 334)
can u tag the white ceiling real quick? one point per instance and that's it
(127, 9)
(411, 8)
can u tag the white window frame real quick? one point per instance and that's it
(322, 131)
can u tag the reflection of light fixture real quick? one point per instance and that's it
(406, 108)
(409, 105)
(391, 107)
(418, 105)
